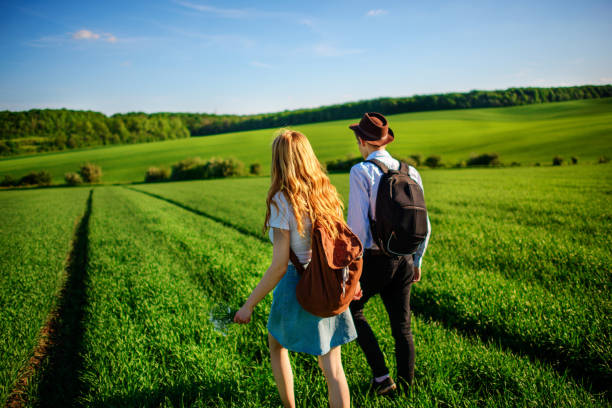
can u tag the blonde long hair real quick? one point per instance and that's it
(297, 174)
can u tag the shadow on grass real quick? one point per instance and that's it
(215, 393)
(59, 382)
(203, 214)
(586, 370)
(43, 187)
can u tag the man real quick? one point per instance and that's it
(390, 277)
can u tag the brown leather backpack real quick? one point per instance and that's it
(329, 282)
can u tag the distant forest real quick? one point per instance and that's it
(40, 130)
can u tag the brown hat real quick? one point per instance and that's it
(374, 129)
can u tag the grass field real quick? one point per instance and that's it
(525, 134)
(37, 228)
(513, 309)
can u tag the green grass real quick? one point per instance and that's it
(525, 134)
(157, 271)
(517, 255)
(37, 227)
(513, 309)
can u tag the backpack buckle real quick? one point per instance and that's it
(345, 276)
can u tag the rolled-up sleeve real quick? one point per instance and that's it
(418, 255)
(358, 208)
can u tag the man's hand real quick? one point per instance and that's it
(417, 274)
(243, 315)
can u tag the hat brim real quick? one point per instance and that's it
(388, 138)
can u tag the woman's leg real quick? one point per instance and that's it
(337, 387)
(281, 368)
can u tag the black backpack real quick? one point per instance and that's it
(401, 215)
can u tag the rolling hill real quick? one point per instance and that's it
(524, 134)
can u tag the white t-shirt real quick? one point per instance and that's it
(284, 218)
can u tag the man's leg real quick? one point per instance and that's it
(367, 340)
(374, 275)
(396, 297)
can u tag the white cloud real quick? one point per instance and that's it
(327, 50)
(85, 35)
(523, 73)
(91, 36)
(225, 12)
(307, 22)
(229, 40)
(48, 41)
(259, 64)
(238, 12)
(377, 12)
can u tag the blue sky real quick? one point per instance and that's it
(253, 57)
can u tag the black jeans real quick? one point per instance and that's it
(392, 278)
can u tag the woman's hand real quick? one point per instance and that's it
(243, 315)
(280, 258)
(358, 292)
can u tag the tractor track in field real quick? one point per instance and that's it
(594, 382)
(203, 214)
(56, 357)
(438, 307)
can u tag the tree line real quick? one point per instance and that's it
(205, 124)
(57, 129)
(41, 130)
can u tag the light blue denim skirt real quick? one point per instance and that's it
(298, 330)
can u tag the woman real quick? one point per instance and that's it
(299, 194)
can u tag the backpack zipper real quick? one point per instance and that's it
(389, 249)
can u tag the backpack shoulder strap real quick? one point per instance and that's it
(404, 169)
(379, 164)
(296, 262)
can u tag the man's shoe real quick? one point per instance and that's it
(403, 385)
(385, 387)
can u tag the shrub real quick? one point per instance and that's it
(217, 168)
(72, 178)
(537, 164)
(9, 181)
(557, 161)
(433, 161)
(337, 166)
(157, 174)
(191, 168)
(90, 173)
(33, 178)
(195, 168)
(460, 164)
(417, 159)
(574, 160)
(255, 169)
(4, 148)
(515, 164)
(408, 160)
(485, 159)
(229, 168)
(603, 159)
